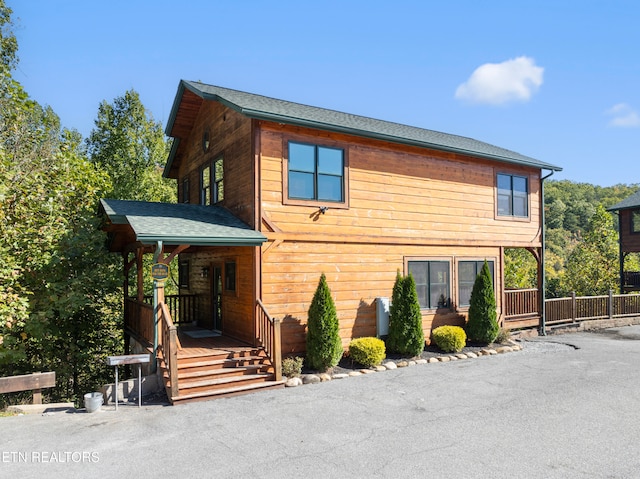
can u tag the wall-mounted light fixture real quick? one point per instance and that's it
(204, 273)
(323, 209)
(205, 141)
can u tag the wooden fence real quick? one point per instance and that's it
(521, 308)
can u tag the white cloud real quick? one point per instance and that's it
(499, 83)
(623, 116)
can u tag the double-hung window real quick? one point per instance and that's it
(432, 283)
(212, 182)
(513, 195)
(467, 272)
(635, 221)
(315, 173)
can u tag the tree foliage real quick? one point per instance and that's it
(482, 325)
(406, 335)
(128, 144)
(324, 346)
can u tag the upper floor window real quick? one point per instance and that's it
(432, 283)
(184, 194)
(212, 182)
(315, 173)
(635, 221)
(467, 272)
(513, 195)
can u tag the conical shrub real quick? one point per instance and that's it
(482, 325)
(405, 319)
(324, 346)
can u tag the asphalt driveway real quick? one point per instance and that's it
(566, 406)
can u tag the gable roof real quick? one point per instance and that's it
(281, 111)
(174, 224)
(632, 201)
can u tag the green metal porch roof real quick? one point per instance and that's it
(178, 224)
(631, 202)
(281, 111)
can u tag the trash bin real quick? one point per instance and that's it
(93, 401)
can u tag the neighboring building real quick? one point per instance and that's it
(307, 191)
(628, 212)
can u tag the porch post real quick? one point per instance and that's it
(158, 296)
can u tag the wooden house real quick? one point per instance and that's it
(628, 212)
(275, 193)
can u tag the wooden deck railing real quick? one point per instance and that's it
(169, 346)
(268, 337)
(558, 311)
(181, 306)
(139, 319)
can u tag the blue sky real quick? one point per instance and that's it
(555, 80)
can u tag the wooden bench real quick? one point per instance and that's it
(35, 382)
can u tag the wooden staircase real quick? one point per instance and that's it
(215, 373)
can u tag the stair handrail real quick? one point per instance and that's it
(268, 337)
(170, 345)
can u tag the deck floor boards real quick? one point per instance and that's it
(209, 346)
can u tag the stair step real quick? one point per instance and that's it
(220, 354)
(213, 383)
(238, 371)
(211, 362)
(227, 392)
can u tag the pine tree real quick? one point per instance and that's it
(405, 319)
(482, 325)
(324, 346)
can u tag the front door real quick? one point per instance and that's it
(216, 297)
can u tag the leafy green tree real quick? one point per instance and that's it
(406, 335)
(130, 146)
(482, 325)
(324, 346)
(520, 269)
(593, 266)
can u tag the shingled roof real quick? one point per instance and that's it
(281, 111)
(631, 202)
(175, 224)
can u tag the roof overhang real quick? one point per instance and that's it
(173, 224)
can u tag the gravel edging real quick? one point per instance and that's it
(389, 364)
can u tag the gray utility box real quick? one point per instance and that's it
(382, 316)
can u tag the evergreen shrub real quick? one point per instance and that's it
(324, 346)
(367, 351)
(292, 367)
(451, 339)
(482, 326)
(405, 319)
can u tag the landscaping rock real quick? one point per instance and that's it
(421, 361)
(412, 363)
(293, 382)
(390, 365)
(310, 379)
(504, 349)
(461, 356)
(379, 368)
(472, 355)
(355, 373)
(444, 359)
(339, 376)
(324, 377)
(402, 364)
(367, 371)
(432, 360)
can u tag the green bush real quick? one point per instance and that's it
(292, 367)
(405, 319)
(482, 325)
(324, 346)
(450, 339)
(367, 351)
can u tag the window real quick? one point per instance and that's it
(212, 182)
(432, 283)
(185, 190)
(513, 196)
(635, 221)
(183, 274)
(230, 276)
(205, 185)
(467, 272)
(315, 172)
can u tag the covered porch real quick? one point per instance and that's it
(213, 337)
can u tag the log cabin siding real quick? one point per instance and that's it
(404, 202)
(630, 241)
(230, 136)
(402, 192)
